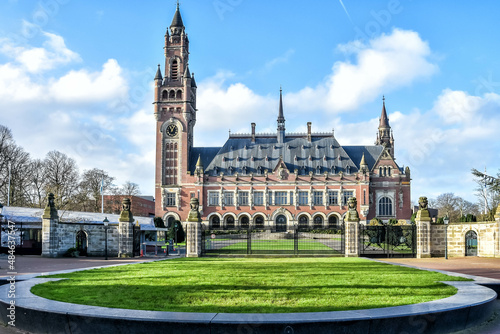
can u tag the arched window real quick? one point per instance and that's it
(303, 221)
(259, 222)
(170, 221)
(318, 222)
(333, 221)
(389, 171)
(171, 95)
(215, 222)
(179, 94)
(230, 222)
(175, 70)
(244, 222)
(385, 206)
(81, 243)
(380, 171)
(164, 94)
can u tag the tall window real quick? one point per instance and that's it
(170, 163)
(228, 198)
(333, 198)
(291, 197)
(347, 195)
(175, 70)
(213, 198)
(280, 198)
(318, 197)
(170, 199)
(243, 198)
(258, 198)
(385, 206)
(303, 198)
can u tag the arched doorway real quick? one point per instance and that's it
(230, 222)
(281, 223)
(170, 221)
(471, 243)
(215, 222)
(333, 221)
(81, 243)
(244, 222)
(303, 222)
(318, 222)
(259, 222)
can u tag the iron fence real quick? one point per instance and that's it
(387, 241)
(266, 241)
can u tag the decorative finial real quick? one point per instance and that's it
(383, 98)
(177, 4)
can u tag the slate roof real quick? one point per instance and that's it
(322, 154)
(177, 20)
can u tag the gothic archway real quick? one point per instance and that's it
(471, 243)
(281, 223)
(81, 243)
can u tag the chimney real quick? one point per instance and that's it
(309, 131)
(253, 132)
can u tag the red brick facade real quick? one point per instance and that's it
(276, 180)
(140, 206)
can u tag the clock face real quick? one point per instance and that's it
(172, 130)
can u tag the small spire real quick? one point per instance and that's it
(281, 118)
(187, 74)
(384, 120)
(193, 83)
(198, 163)
(363, 162)
(158, 74)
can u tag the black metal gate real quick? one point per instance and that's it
(295, 242)
(388, 241)
(471, 243)
(136, 247)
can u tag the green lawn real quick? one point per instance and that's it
(250, 285)
(281, 244)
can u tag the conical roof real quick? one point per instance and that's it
(177, 20)
(158, 74)
(384, 120)
(281, 118)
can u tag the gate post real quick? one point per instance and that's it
(352, 229)
(497, 241)
(193, 227)
(50, 224)
(423, 222)
(126, 230)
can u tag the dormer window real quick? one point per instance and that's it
(318, 170)
(244, 170)
(334, 169)
(216, 171)
(348, 169)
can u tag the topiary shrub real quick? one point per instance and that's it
(158, 221)
(176, 232)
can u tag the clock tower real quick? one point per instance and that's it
(175, 114)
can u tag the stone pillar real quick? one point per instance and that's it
(125, 230)
(423, 222)
(497, 239)
(352, 229)
(193, 229)
(50, 224)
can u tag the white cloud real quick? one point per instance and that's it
(384, 64)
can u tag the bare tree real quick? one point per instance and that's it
(488, 192)
(38, 183)
(61, 174)
(90, 186)
(130, 189)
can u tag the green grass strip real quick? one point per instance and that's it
(278, 285)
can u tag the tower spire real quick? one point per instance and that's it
(177, 20)
(281, 120)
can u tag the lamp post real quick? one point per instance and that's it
(106, 222)
(446, 220)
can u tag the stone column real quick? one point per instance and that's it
(193, 229)
(50, 224)
(352, 229)
(125, 230)
(423, 222)
(497, 240)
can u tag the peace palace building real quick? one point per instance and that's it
(277, 180)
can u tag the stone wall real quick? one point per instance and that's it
(487, 238)
(66, 235)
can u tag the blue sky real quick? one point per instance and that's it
(77, 76)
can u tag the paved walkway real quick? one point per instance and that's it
(485, 267)
(477, 266)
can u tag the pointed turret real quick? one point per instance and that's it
(384, 120)
(281, 121)
(158, 74)
(187, 74)
(193, 83)
(384, 136)
(363, 166)
(199, 166)
(177, 20)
